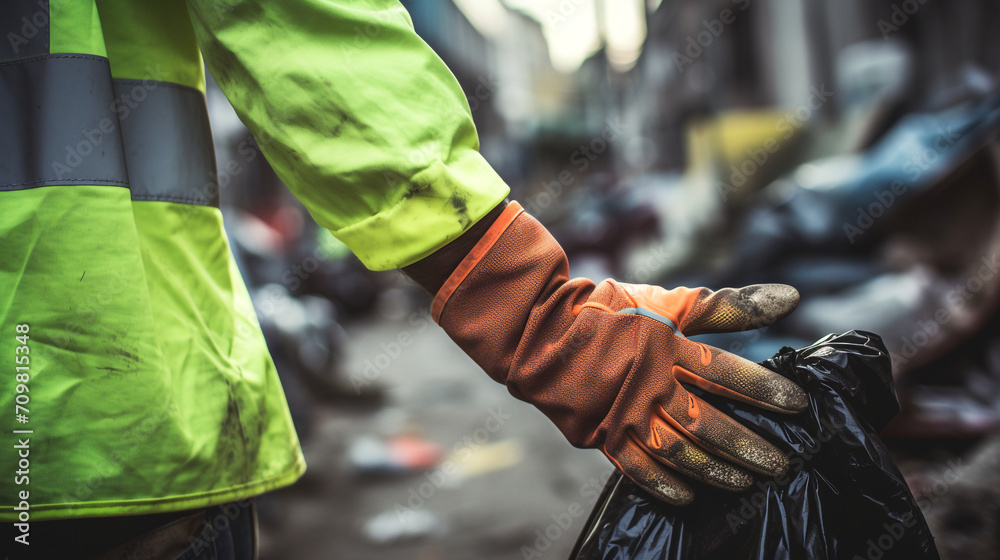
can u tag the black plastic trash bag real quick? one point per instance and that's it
(842, 497)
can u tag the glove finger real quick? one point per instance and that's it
(731, 376)
(742, 309)
(722, 436)
(676, 451)
(631, 457)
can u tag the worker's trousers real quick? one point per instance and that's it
(223, 532)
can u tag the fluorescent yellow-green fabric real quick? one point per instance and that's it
(357, 115)
(229, 400)
(151, 388)
(75, 27)
(152, 41)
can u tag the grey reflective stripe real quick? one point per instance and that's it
(66, 122)
(58, 124)
(24, 25)
(647, 313)
(168, 142)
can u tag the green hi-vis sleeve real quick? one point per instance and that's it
(357, 115)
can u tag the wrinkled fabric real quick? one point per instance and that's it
(842, 498)
(152, 389)
(357, 115)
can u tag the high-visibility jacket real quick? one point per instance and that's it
(127, 336)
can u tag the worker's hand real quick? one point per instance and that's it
(605, 363)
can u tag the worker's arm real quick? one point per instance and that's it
(371, 131)
(357, 115)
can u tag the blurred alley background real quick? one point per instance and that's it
(847, 147)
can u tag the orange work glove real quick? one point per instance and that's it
(605, 363)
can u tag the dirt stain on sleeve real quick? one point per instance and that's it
(461, 209)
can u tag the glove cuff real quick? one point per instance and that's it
(486, 242)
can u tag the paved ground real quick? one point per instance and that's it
(521, 479)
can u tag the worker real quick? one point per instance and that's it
(143, 412)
